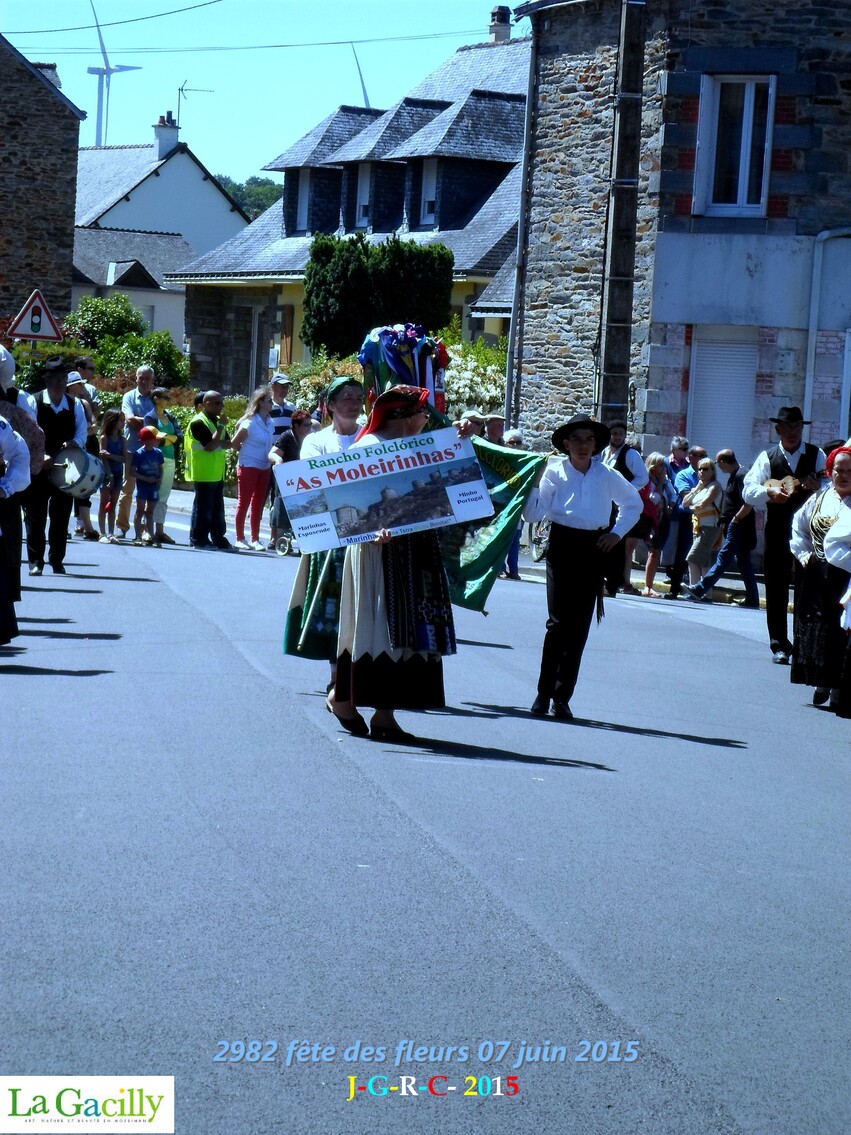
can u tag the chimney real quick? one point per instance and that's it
(165, 135)
(500, 29)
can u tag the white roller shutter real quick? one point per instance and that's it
(721, 390)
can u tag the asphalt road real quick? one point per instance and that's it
(192, 852)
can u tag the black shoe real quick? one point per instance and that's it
(59, 569)
(223, 546)
(540, 706)
(780, 657)
(562, 711)
(36, 569)
(354, 725)
(391, 733)
(820, 695)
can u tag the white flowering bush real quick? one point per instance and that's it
(475, 377)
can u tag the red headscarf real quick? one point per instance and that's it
(397, 402)
(832, 456)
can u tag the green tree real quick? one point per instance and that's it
(130, 351)
(351, 286)
(96, 319)
(253, 196)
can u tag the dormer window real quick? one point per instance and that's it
(429, 194)
(303, 194)
(362, 200)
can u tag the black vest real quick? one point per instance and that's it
(778, 517)
(58, 428)
(621, 466)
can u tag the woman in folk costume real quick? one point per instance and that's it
(313, 615)
(819, 651)
(395, 612)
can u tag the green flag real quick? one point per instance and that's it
(474, 553)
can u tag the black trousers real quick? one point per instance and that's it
(777, 573)
(43, 500)
(11, 534)
(207, 523)
(575, 571)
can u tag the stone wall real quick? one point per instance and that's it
(808, 47)
(39, 138)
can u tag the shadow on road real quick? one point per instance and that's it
(486, 753)
(115, 578)
(589, 723)
(53, 673)
(23, 620)
(72, 634)
(492, 645)
(66, 590)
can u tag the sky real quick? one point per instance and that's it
(257, 74)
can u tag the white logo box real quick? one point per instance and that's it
(87, 1104)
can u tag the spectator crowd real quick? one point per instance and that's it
(695, 515)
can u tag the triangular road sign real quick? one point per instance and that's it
(35, 321)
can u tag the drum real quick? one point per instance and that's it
(76, 472)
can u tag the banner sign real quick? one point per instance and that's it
(430, 480)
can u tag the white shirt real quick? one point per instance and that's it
(14, 451)
(837, 540)
(326, 441)
(753, 492)
(81, 423)
(633, 462)
(801, 540)
(583, 500)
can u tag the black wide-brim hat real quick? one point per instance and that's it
(789, 416)
(602, 433)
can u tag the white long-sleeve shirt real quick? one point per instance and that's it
(837, 539)
(753, 492)
(16, 455)
(801, 540)
(583, 500)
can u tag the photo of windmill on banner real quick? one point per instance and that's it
(471, 490)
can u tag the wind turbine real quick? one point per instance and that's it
(104, 74)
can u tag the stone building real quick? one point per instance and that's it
(689, 165)
(39, 136)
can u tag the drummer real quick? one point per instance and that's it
(63, 421)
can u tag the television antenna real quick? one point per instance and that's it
(104, 75)
(182, 92)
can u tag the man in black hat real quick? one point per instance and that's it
(780, 480)
(61, 417)
(576, 494)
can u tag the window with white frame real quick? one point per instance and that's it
(429, 193)
(362, 202)
(734, 145)
(303, 193)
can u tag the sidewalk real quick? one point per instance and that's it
(730, 590)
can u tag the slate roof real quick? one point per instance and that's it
(482, 67)
(498, 296)
(329, 135)
(394, 126)
(485, 125)
(158, 253)
(468, 78)
(105, 174)
(259, 250)
(480, 247)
